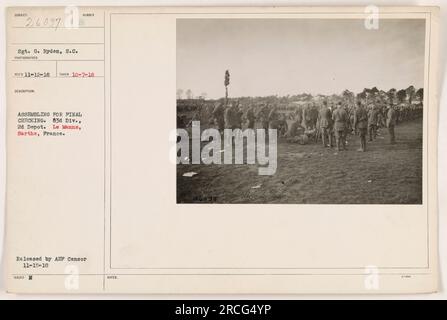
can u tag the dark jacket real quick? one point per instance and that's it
(360, 118)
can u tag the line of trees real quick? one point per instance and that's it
(393, 95)
(409, 95)
(188, 94)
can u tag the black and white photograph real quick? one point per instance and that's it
(300, 111)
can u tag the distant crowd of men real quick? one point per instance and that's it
(326, 121)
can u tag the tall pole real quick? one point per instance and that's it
(226, 83)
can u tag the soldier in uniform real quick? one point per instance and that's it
(340, 118)
(237, 113)
(348, 129)
(306, 116)
(219, 116)
(263, 117)
(361, 124)
(295, 128)
(324, 120)
(372, 122)
(251, 117)
(299, 115)
(391, 123)
(229, 117)
(331, 126)
(273, 115)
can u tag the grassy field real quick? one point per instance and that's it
(385, 174)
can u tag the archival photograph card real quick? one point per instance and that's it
(222, 150)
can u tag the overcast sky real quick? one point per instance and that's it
(291, 56)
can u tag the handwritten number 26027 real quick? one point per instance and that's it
(38, 22)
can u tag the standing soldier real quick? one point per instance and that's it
(237, 113)
(251, 117)
(295, 129)
(306, 116)
(263, 115)
(229, 117)
(361, 124)
(219, 116)
(181, 122)
(232, 117)
(348, 129)
(273, 115)
(325, 118)
(391, 123)
(299, 116)
(372, 122)
(340, 118)
(331, 133)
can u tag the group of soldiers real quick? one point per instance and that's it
(329, 121)
(232, 116)
(364, 121)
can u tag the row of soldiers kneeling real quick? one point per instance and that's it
(328, 121)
